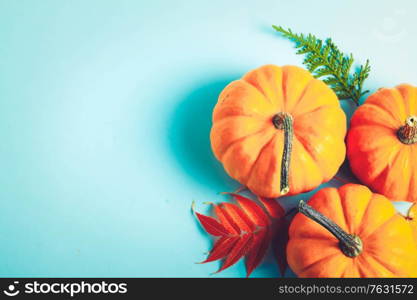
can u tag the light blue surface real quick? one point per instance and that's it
(105, 111)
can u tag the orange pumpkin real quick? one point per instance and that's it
(382, 142)
(278, 130)
(351, 232)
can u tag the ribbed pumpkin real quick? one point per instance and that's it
(278, 130)
(382, 142)
(351, 232)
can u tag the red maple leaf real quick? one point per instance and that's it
(246, 230)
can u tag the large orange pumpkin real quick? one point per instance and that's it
(351, 232)
(278, 130)
(382, 142)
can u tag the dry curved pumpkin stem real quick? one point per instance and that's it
(284, 121)
(350, 245)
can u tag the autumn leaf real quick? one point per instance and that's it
(272, 206)
(245, 230)
(261, 242)
(280, 234)
(211, 225)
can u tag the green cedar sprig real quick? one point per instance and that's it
(325, 61)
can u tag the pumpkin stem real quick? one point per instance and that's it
(351, 245)
(407, 134)
(284, 121)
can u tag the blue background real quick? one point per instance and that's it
(105, 111)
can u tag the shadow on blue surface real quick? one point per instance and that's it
(189, 136)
